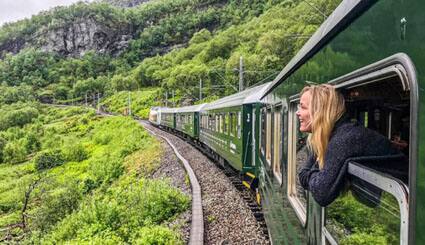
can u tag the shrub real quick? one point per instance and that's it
(54, 206)
(106, 169)
(48, 159)
(14, 152)
(157, 235)
(120, 214)
(3, 143)
(74, 151)
(17, 117)
(32, 143)
(88, 185)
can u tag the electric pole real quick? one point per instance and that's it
(166, 98)
(98, 102)
(174, 103)
(240, 73)
(129, 103)
(200, 89)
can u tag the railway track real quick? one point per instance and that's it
(221, 227)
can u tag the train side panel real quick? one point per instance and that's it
(222, 133)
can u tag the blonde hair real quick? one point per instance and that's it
(326, 106)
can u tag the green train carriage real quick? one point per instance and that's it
(187, 120)
(227, 127)
(372, 51)
(167, 117)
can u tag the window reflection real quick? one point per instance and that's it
(364, 215)
(301, 158)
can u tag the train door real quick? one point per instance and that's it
(375, 207)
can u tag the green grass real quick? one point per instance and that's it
(99, 193)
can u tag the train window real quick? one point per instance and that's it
(214, 123)
(221, 121)
(263, 131)
(297, 155)
(233, 124)
(374, 210)
(384, 106)
(269, 137)
(277, 137)
(239, 124)
(226, 123)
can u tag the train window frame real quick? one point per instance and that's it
(401, 65)
(295, 202)
(226, 123)
(277, 146)
(390, 185)
(215, 123)
(269, 139)
(232, 126)
(263, 129)
(239, 124)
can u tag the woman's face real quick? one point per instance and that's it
(303, 112)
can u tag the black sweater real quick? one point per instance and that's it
(347, 140)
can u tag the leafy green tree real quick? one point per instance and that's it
(121, 83)
(48, 159)
(14, 152)
(3, 143)
(200, 37)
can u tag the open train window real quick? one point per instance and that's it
(216, 123)
(377, 203)
(226, 123)
(277, 143)
(297, 156)
(210, 117)
(239, 124)
(263, 132)
(269, 137)
(233, 126)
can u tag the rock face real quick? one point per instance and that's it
(126, 3)
(83, 35)
(12, 46)
(75, 39)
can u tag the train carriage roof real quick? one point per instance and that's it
(344, 14)
(248, 96)
(192, 108)
(166, 110)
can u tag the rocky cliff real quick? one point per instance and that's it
(83, 35)
(75, 39)
(125, 3)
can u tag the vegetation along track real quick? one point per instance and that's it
(230, 214)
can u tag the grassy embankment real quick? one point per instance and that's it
(68, 175)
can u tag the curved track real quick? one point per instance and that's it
(197, 226)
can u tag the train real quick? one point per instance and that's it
(373, 53)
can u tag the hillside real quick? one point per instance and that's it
(77, 52)
(63, 174)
